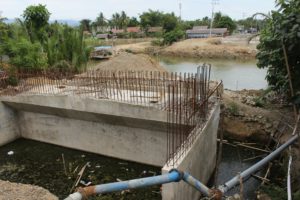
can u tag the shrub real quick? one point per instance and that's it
(173, 36)
(157, 42)
(233, 109)
(26, 55)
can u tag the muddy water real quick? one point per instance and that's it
(232, 163)
(236, 75)
(42, 164)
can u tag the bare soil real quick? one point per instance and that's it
(232, 47)
(244, 121)
(128, 61)
(210, 48)
(17, 191)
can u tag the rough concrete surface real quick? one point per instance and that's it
(199, 161)
(8, 126)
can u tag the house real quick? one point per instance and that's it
(155, 29)
(116, 31)
(205, 32)
(134, 29)
(103, 36)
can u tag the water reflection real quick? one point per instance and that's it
(236, 75)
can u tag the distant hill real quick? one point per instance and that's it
(70, 22)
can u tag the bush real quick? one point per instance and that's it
(233, 109)
(12, 76)
(173, 36)
(26, 55)
(157, 42)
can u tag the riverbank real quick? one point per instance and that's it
(211, 48)
(260, 117)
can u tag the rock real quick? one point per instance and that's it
(268, 125)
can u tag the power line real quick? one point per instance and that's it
(180, 9)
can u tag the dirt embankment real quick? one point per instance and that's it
(15, 191)
(246, 119)
(210, 48)
(128, 61)
(219, 48)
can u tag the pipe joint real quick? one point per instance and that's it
(180, 174)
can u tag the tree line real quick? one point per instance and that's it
(155, 18)
(33, 43)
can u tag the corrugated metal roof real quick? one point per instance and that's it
(207, 31)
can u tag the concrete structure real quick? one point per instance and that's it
(120, 130)
(125, 131)
(8, 125)
(199, 160)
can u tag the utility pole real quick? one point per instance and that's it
(180, 9)
(213, 4)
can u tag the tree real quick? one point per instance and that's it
(251, 22)
(224, 21)
(86, 24)
(151, 19)
(26, 55)
(100, 20)
(116, 21)
(170, 22)
(124, 19)
(133, 22)
(36, 19)
(282, 30)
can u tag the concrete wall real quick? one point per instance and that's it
(120, 130)
(113, 129)
(9, 130)
(199, 161)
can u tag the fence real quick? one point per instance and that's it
(183, 95)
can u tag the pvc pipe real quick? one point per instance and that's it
(245, 174)
(173, 176)
(196, 184)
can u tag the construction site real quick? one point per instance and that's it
(168, 117)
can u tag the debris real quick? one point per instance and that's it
(79, 177)
(82, 156)
(152, 172)
(63, 160)
(97, 166)
(10, 153)
(84, 183)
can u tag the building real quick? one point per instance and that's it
(204, 32)
(155, 29)
(134, 29)
(103, 36)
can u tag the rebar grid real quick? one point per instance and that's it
(183, 95)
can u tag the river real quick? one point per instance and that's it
(236, 75)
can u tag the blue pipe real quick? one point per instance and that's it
(196, 184)
(172, 176)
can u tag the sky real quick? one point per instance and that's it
(89, 9)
